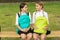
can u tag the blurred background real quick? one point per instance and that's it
(9, 8)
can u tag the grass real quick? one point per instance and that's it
(56, 38)
(7, 20)
(8, 12)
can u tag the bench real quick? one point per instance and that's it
(13, 34)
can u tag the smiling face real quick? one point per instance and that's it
(39, 6)
(24, 8)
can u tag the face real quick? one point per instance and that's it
(38, 7)
(25, 8)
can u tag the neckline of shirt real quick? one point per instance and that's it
(40, 11)
(22, 13)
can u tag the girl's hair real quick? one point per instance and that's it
(40, 3)
(22, 5)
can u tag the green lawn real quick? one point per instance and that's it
(54, 38)
(8, 12)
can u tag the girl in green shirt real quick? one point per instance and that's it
(40, 22)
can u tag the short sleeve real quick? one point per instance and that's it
(16, 19)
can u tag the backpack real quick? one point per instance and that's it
(48, 31)
(19, 16)
(23, 21)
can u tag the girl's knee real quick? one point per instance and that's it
(29, 36)
(43, 37)
(35, 37)
(23, 36)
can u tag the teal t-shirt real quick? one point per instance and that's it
(24, 21)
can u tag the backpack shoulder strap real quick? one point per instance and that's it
(35, 14)
(43, 13)
(28, 13)
(18, 15)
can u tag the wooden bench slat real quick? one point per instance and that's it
(13, 34)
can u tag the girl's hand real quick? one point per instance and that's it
(45, 28)
(34, 26)
(25, 30)
(28, 29)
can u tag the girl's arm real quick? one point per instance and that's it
(16, 19)
(33, 21)
(46, 16)
(20, 28)
(34, 26)
(28, 28)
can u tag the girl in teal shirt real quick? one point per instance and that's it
(23, 23)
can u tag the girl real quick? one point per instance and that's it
(23, 22)
(40, 22)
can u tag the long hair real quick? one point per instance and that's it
(22, 5)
